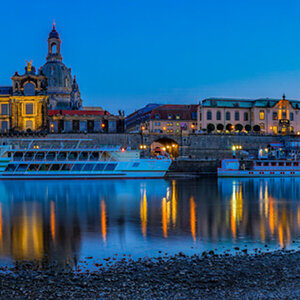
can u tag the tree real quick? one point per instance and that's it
(220, 127)
(210, 127)
(256, 128)
(229, 127)
(248, 127)
(239, 127)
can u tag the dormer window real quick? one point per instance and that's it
(177, 117)
(157, 116)
(170, 116)
(29, 89)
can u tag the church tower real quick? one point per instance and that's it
(63, 93)
(54, 43)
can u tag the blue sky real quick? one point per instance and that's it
(127, 53)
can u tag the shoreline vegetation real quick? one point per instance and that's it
(266, 275)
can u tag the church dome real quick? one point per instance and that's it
(59, 76)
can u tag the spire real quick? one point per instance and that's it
(283, 96)
(53, 25)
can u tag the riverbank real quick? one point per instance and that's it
(267, 275)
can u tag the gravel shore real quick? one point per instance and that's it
(273, 275)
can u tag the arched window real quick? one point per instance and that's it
(29, 89)
(67, 81)
(227, 116)
(53, 48)
(170, 116)
(209, 115)
(157, 116)
(177, 116)
(237, 115)
(219, 115)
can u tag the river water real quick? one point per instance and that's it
(68, 221)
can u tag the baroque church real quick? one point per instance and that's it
(49, 100)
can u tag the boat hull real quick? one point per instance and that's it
(258, 173)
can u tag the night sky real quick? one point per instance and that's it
(128, 53)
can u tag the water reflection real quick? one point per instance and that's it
(66, 220)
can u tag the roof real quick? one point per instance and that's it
(6, 90)
(144, 110)
(184, 111)
(65, 112)
(227, 102)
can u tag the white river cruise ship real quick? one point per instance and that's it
(75, 159)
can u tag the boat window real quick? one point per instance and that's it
(288, 164)
(88, 167)
(55, 167)
(44, 167)
(61, 155)
(258, 163)
(10, 168)
(110, 167)
(50, 156)
(33, 167)
(94, 156)
(99, 167)
(273, 164)
(266, 164)
(28, 155)
(22, 168)
(77, 167)
(39, 156)
(73, 156)
(135, 165)
(281, 164)
(83, 156)
(18, 156)
(296, 164)
(9, 154)
(67, 167)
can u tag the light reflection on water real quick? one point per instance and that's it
(69, 220)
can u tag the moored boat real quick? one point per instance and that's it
(71, 159)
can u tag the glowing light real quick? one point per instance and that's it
(122, 149)
(233, 148)
(102, 125)
(193, 219)
(164, 148)
(164, 128)
(103, 221)
(143, 213)
(52, 220)
(143, 127)
(174, 203)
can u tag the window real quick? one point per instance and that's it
(258, 164)
(22, 168)
(275, 116)
(55, 167)
(177, 117)
(67, 167)
(110, 167)
(88, 167)
(288, 164)
(33, 167)
(209, 115)
(157, 116)
(155, 124)
(246, 116)
(261, 114)
(29, 108)
(29, 89)
(281, 164)
(273, 164)
(284, 115)
(4, 126)
(44, 167)
(237, 115)
(29, 124)
(266, 164)
(99, 167)
(4, 109)
(50, 156)
(177, 124)
(135, 165)
(170, 116)
(219, 115)
(10, 168)
(227, 116)
(291, 116)
(77, 167)
(262, 126)
(296, 164)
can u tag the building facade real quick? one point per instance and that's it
(270, 116)
(23, 107)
